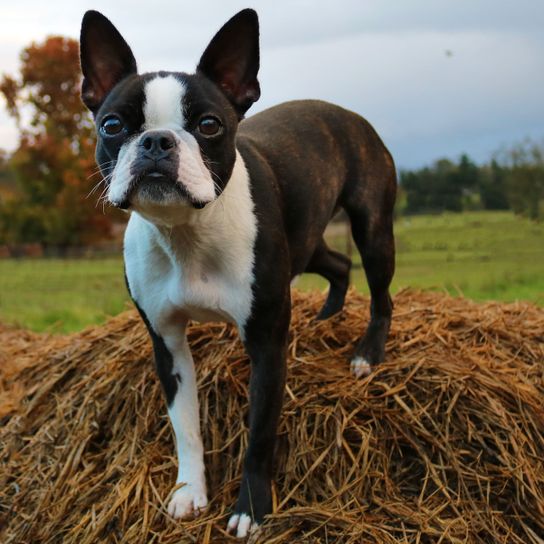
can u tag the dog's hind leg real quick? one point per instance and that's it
(335, 268)
(373, 235)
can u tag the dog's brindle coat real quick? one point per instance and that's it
(222, 220)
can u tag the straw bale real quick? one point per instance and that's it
(442, 443)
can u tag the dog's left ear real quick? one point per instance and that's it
(231, 60)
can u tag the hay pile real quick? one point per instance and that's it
(444, 443)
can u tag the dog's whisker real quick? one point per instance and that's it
(94, 188)
(99, 169)
(105, 180)
(102, 198)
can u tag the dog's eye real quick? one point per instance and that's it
(111, 125)
(209, 126)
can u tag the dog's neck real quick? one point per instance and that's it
(223, 232)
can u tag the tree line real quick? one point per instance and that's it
(512, 180)
(45, 184)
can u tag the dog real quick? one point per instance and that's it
(224, 213)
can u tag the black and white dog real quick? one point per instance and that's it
(224, 213)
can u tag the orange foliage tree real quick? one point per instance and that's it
(54, 162)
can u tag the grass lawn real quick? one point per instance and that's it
(481, 255)
(61, 295)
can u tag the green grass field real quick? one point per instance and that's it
(480, 255)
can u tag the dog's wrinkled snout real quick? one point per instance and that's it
(157, 145)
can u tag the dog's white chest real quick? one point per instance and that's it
(201, 269)
(204, 293)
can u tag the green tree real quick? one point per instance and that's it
(439, 187)
(447, 190)
(492, 187)
(467, 173)
(525, 178)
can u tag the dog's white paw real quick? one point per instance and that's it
(242, 524)
(188, 501)
(360, 367)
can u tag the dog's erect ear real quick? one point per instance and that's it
(105, 58)
(231, 60)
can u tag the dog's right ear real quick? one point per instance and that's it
(105, 59)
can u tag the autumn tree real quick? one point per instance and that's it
(54, 162)
(6, 177)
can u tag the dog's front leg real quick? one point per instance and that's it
(191, 498)
(265, 340)
(176, 371)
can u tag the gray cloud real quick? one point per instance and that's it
(385, 60)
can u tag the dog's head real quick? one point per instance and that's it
(166, 140)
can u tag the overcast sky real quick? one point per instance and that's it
(435, 77)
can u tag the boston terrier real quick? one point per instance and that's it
(224, 213)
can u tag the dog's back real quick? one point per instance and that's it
(322, 157)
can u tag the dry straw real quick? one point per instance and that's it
(443, 443)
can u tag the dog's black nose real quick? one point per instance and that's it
(157, 144)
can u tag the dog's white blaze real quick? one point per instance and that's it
(163, 110)
(163, 104)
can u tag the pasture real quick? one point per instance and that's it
(479, 255)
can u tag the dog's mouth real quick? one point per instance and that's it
(158, 188)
